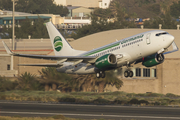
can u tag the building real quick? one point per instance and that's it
(164, 78)
(77, 17)
(55, 19)
(104, 4)
(85, 3)
(6, 17)
(78, 11)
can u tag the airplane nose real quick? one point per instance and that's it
(171, 38)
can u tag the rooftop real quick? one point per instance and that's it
(6, 12)
(72, 7)
(24, 17)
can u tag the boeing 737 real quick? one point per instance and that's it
(147, 48)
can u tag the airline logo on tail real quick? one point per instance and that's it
(58, 45)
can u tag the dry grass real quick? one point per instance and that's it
(121, 98)
(57, 117)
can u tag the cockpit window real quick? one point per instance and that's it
(161, 33)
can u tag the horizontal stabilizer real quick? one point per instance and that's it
(7, 49)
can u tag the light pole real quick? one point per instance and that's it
(13, 31)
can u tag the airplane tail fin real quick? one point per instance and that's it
(60, 46)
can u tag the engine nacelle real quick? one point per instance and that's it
(106, 61)
(153, 60)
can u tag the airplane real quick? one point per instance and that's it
(147, 48)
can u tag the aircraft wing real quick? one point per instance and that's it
(60, 59)
(42, 65)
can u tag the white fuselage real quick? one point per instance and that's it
(132, 48)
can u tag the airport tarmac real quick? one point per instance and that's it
(31, 109)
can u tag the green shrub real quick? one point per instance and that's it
(154, 95)
(149, 94)
(82, 101)
(143, 102)
(171, 95)
(174, 102)
(122, 102)
(156, 103)
(28, 81)
(131, 94)
(6, 85)
(116, 93)
(67, 99)
(101, 101)
(134, 101)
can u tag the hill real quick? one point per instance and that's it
(143, 8)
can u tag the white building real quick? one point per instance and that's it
(85, 3)
(104, 4)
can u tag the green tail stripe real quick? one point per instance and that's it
(58, 44)
(58, 49)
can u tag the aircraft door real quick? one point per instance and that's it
(148, 41)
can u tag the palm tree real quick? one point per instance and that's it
(28, 81)
(69, 83)
(50, 77)
(110, 79)
(88, 82)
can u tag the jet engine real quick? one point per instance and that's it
(106, 61)
(153, 60)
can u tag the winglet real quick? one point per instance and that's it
(7, 49)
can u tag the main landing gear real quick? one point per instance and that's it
(100, 74)
(128, 73)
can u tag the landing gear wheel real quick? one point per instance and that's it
(98, 75)
(126, 74)
(131, 73)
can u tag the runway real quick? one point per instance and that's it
(89, 111)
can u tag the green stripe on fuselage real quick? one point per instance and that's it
(102, 49)
(131, 39)
(114, 45)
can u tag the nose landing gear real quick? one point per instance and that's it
(100, 74)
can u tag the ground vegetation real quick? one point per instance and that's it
(51, 80)
(106, 98)
(35, 7)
